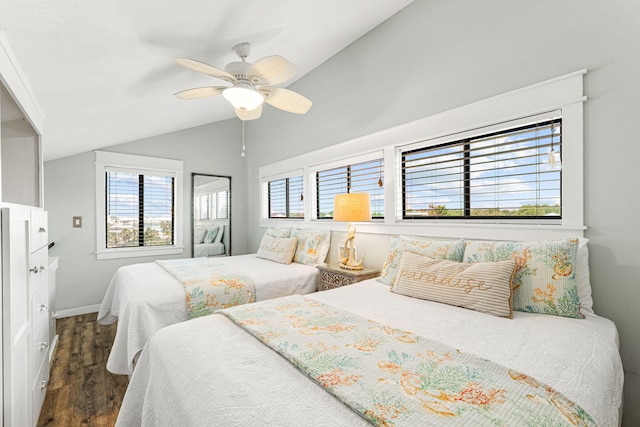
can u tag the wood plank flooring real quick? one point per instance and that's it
(81, 392)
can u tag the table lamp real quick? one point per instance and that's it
(351, 207)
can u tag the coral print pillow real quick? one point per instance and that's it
(452, 250)
(545, 276)
(278, 232)
(313, 246)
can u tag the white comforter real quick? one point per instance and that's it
(210, 372)
(144, 298)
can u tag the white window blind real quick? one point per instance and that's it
(286, 198)
(505, 174)
(364, 177)
(139, 209)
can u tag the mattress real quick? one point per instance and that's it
(208, 371)
(144, 298)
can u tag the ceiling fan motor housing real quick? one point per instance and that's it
(238, 69)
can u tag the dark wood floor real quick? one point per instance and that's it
(81, 392)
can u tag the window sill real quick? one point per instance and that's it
(447, 229)
(138, 252)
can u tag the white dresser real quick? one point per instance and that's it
(26, 316)
(40, 315)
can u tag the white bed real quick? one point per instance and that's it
(145, 298)
(208, 249)
(208, 371)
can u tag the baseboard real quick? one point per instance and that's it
(77, 311)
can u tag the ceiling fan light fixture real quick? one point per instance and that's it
(243, 96)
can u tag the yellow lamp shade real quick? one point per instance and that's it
(352, 207)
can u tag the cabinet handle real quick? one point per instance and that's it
(43, 268)
(43, 307)
(44, 345)
(42, 230)
(44, 384)
(34, 269)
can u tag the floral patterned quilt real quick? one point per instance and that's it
(396, 378)
(210, 285)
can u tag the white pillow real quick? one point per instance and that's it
(219, 235)
(278, 232)
(583, 276)
(198, 235)
(277, 249)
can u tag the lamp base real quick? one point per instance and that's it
(351, 267)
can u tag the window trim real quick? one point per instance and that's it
(564, 93)
(137, 164)
(467, 139)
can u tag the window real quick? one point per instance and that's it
(504, 174)
(365, 177)
(139, 209)
(286, 198)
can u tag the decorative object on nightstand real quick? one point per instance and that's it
(351, 207)
(334, 276)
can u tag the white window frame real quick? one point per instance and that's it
(140, 165)
(352, 160)
(564, 94)
(264, 196)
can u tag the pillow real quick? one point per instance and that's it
(277, 249)
(219, 235)
(582, 277)
(452, 250)
(211, 234)
(198, 235)
(479, 286)
(545, 277)
(313, 246)
(278, 232)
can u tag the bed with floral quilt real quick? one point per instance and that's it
(368, 354)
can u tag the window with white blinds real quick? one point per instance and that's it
(364, 177)
(505, 174)
(213, 205)
(286, 198)
(139, 209)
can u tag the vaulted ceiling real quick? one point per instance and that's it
(103, 73)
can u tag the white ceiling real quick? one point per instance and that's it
(102, 71)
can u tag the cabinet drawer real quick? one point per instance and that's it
(38, 263)
(38, 236)
(39, 390)
(39, 328)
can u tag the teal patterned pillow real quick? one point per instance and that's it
(211, 234)
(545, 276)
(313, 246)
(451, 250)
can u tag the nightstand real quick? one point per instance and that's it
(332, 276)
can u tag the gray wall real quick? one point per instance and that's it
(81, 280)
(437, 55)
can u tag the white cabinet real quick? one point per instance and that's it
(25, 315)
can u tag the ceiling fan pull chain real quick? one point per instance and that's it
(243, 147)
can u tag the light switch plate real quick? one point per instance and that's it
(77, 222)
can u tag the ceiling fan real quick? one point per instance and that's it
(251, 84)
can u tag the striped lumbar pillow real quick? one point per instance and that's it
(483, 286)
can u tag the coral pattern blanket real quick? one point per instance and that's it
(210, 285)
(392, 377)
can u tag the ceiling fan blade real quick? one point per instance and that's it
(200, 92)
(271, 70)
(286, 99)
(207, 69)
(249, 115)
